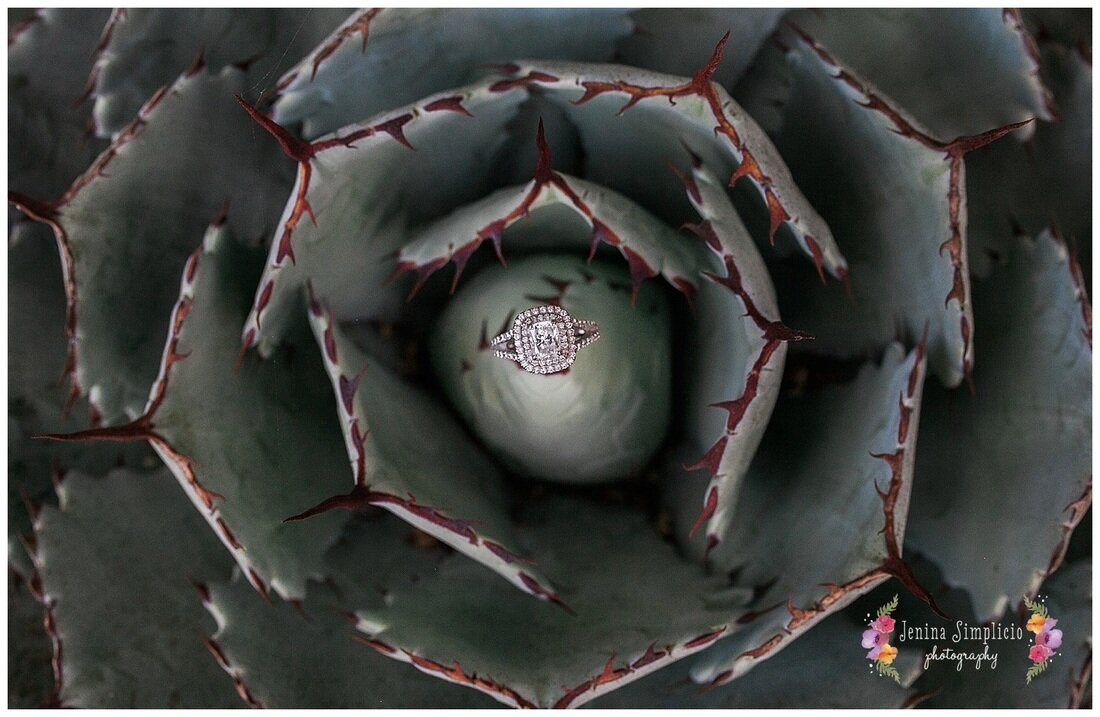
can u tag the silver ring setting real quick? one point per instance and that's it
(545, 339)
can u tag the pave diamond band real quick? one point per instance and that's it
(545, 339)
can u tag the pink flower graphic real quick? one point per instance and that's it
(1039, 653)
(884, 624)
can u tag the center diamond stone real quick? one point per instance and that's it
(545, 339)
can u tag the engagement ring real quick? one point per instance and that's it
(545, 339)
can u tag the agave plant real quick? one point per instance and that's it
(835, 259)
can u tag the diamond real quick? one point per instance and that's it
(546, 339)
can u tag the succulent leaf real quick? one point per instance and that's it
(784, 538)
(30, 651)
(384, 58)
(244, 483)
(193, 129)
(611, 408)
(48, 62)
(958, 71)
(649, 246)
(115, 561)
(305, 656)
(625, 588)
(617, 109)
(896, 197)
(38, 400)
(812, 673)
(1020, 446)
(737, 365)
(691, 487)
(356, 195)
(144, 48)
(1015, 188)
(668, 40)
(400, 442)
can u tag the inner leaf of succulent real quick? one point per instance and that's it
(602, 418)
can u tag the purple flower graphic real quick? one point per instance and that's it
(1051, 639)
(874, 640)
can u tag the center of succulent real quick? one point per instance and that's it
(599, 419)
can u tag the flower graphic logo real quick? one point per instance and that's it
(877, 640)
(1047, 638)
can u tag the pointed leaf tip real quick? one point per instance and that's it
(543, 171)
(962, 145)
(297, 149)
(39, 211)
(707, 71)
(357, 498)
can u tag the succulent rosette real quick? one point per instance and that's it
(286, 240)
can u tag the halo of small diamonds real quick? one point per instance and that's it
(545, 339)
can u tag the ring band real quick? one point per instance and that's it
(545, 339)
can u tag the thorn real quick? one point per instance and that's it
(200, 587)
(962, 145)
(778, 331)
(348, 389)
(223, 215)
(696, 160)
(543, 171)
(899, 569)
(709, 507)
(640, 270)
(197, 64)
(300, 609)
(399, 268)
(688, 181)
(44, 212)
(497, 239)
(74, 394)
(246, 344)
(85, 95)
(846, 280)
(395, 128)
(357, 498)
(815, 252)
(718, 681)
(33, 508)
(707, 71)
(448, 104)
(297, 149)
(137, 430)
(423, 273)
(712, 543)
(688, 289)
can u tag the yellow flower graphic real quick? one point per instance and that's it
(1035, 624)
(889, 652)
